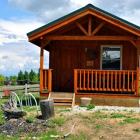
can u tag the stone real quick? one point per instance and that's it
(4, 131)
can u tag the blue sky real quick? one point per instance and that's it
(18, 17)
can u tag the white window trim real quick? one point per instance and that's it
(101, 56)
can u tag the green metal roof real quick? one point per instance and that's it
(80, 10)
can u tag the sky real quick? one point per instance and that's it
(18, 17)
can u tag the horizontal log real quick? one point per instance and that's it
(90, 38)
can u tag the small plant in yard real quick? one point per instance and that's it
(70, 118)
(125, 110)
(103, 116)
(82, 105)
(51, 125)
(98, 126)
(62, 109)
(118, 110)
(30, 118)
(104, 109)
(84, 117)
(117, 115)
(131, 120)
(137, 130)
(131, 111)
(60, 121)
(2, 121)
(61, 114)
(90, 106)
(98, 111)
(20, 129)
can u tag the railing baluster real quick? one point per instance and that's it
(119, 80)
(84, 81)
(107, 80)
(99, 80)
(115, 80)
(111, 80)
(132, 82)
(88, 81)
(104, 80)
(92, 80)
(123, 80)
(80, 80)
(95, 80)
(128, 80)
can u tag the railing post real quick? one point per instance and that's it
(49, 80)
(41, 67)
(75, 81)
(137, 77)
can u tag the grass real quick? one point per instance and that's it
(136, 130)
(30, 118)
(84, 117)
(62, 109)
(60, 121)
(104, 109)
(117, 115)
(98, 126)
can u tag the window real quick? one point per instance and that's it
(111, 57)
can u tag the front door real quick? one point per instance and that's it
(69, 59)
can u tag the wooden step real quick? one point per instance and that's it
(62, 99)
(62, 104)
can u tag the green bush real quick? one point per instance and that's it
(90, 106)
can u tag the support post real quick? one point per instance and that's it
(138, 53)
(75, 81)
(41, 67)
(49, 80)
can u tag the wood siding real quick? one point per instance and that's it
(72, 54)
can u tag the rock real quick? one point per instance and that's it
(8, 136)
(4, 131)
(34, 138)
(103, 137)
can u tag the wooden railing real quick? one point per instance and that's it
(47, 79)
(105, 80)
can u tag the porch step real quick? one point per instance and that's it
(62, 99)
(62, 104)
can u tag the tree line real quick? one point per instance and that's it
(31, 76)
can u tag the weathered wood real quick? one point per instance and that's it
(90, 38)
(11, 111)
(75, 81)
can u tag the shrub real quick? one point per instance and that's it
(90, 106)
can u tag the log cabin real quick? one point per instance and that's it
(92, 53)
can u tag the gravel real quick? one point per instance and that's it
(111, 109)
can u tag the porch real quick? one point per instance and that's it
(98, 81)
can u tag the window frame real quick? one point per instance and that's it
(101, 58)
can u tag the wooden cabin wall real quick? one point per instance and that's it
(60, 62)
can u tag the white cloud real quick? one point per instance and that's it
(15, 30)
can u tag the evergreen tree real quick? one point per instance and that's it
(21, 77)
(26, 75)
(32, 75)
